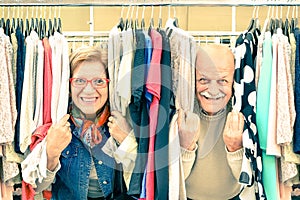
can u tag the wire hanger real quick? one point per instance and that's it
(127, 18)
(121, 21)
(159, 19)
(143, 19)
(50, 27)
(131, 18)
(2, 23)
(151, 25)
(59, 25)
(7, 23)
(136, 22)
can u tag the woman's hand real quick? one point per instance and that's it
(233, 132)
(58, 138)
(189, 129)
(118, 126)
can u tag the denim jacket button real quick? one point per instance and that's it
(67, 152)
(104, 182)
(100, 162)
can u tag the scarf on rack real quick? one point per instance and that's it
(89, 131)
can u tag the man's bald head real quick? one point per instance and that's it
(215, 55)
(214, 77)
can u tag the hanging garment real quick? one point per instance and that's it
(21, 52)
(48, 79)
(138, 110)
(27, 125)
(60, 76)
(8, 109)
(123, 86)
(297, 93)
(39, 86)
(165, 113)
(269, 173)
(153, 85)
(114, 57)
(244, 100)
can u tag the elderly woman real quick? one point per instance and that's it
(85, 149)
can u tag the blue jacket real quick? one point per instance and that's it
(72, 180)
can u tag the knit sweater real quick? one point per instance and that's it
(211, 171)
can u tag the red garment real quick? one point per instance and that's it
(153, 86)
(27, 191)
(47, 81)
(38, 135)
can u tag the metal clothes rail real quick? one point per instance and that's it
(146, 2)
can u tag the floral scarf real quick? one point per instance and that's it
(89, 132)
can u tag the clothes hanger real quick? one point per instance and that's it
(2, 19)
(136, 21)
(27, 30)
(131, 19)
(21, 23)
(252, 21)
(50, 27)
(54, 27)
(7, 23)
(127, 18)
(59, 25)
(143, 19)
(271, 25)
(287, 23)
(151, 24)
(293, 20)
(121, 21)
(159, 19)
(175, 23)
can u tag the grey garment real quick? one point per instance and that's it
(95, 190)
(211, 176)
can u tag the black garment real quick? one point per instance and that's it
(163, 121)
(139, 114)
(21, 51)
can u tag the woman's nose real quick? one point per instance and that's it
(89, 87)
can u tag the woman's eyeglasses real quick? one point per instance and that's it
(95, 82)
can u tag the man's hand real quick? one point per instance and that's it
(233, 132)
(189, 129)
(118, 126)
(58, 138)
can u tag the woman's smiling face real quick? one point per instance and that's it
(88, 98)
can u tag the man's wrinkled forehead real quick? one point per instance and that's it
(215, 57)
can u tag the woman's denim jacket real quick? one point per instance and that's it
(72, 180)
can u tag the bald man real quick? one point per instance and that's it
(212, 156)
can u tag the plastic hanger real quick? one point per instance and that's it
(175, 19)
(251, 24)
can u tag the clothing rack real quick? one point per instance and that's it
(146, 2)
(200, 36)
